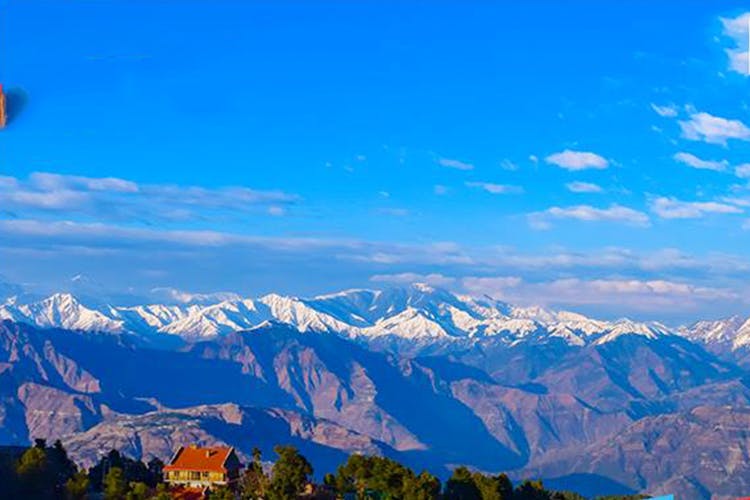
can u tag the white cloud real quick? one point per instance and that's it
(736, 30)
(672, 208)
(496, 188)
(434, 279)
(114, 198)
(525, 277)
(608, 290)
(55, 200)
(508, 165)
(395, 212)
(742, 171)
(740, 202)
(693, 161)
(668, 111)
(183, 297)
(577, 160)
(457, 164)
(55, 182)
(86, 233)
(235, 197)
(7, 182)
(492, 285)
(583, 187)
(587, 213)
(713, 129)
(439, 189)
(634, 294)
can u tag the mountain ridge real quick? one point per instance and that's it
(526, 406)
(421, 314)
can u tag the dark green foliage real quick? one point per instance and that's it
(42, 472)
(567, 495)
(461, 486)
(254, 483)
(379, 477)
(114, 485)
(531, 490)
(77, 487)
(34, 480)
(222, 493)
(154, 467)
(138, 491)
(134, 471)
(161, 492)
(290, 474)
(497, 487)
(425, 486)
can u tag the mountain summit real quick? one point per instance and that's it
(415, 316)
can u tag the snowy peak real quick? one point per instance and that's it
(625, 327)
(409, 324)
(418, 312)
(175, 296)
(724, 334)
(62, 310)
(303, 315)
(217, 319)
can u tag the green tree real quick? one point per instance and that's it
(568, 495)
(161, 492)
(138, 491)
(461, 485)
(221, 493)
(493, 487)
(61, 467)
(425, 486)
(380, 477)
(77, 487)
(115, 486)
(33, 472)
(155, 470)
(289, 475)
(43, 472)
(254, 483)
(133, 470)
(531, 490)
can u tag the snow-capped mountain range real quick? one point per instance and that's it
(418, 313)
(541, 392)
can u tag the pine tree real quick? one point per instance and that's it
(254, 483)
(461, 485)
(77, 487)
(290, 474)
(115, 486)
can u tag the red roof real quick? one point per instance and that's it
(194, 458)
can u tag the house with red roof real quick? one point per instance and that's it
(203, 467)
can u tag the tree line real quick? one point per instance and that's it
(46, 472)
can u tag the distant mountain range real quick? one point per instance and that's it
(418, 373)
(419, 314)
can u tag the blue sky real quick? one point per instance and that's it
(590, 155)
